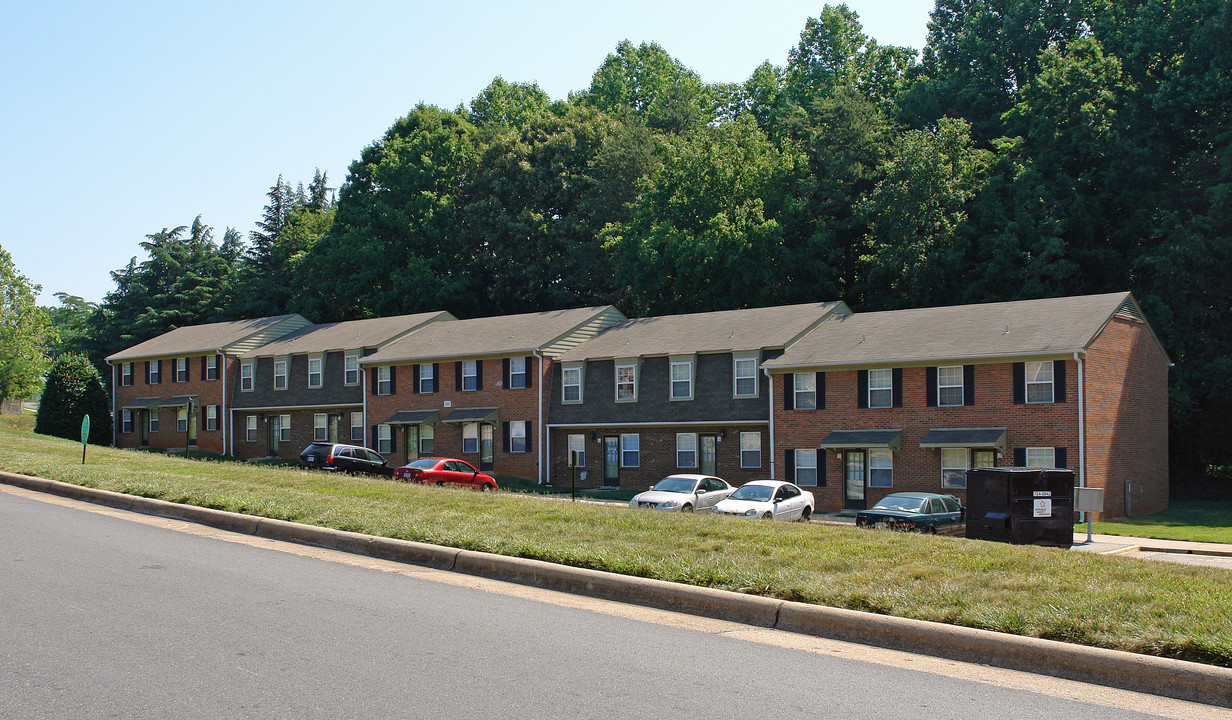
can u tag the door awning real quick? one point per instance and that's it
(463, 415)
(840, 439)
(140, 403)
(413, 417)
(965, 438)
(178, 401)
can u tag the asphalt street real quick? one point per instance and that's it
(106, 615)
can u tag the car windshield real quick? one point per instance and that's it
(757, 493)
(675, 485)
(423, 464)
(897, 502)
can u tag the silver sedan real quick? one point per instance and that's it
(684, 493)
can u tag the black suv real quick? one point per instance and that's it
(344, 458)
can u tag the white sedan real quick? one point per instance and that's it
(684, 493)
(768, 499)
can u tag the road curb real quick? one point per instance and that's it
(1196, 682)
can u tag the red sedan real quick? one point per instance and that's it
(444, 471)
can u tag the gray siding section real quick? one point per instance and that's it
(298, 394)
(712, 395)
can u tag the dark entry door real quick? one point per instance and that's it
(853, 480)
(611, 461)
(143, 418)
(709, 444)
(485, 447)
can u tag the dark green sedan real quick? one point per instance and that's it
(922, 512)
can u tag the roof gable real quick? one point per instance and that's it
(234, 338)
(349, 335)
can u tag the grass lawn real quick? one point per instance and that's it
(1194, 520)
(513, 484)
(1148, 607)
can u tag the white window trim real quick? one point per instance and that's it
(565, 370)
(427, 433)
(360, 427)
(959, 385)
(320, 373)
(1052, 451)
(637, 439)
(879, 452)
(525, 373)
(1051, 382)
(672, 364)
(211, 367)
(284, 428)
(474, 375)
(247, 373)
(126, 421)
(156, 372)
(880, 388)
(743, 450)
(211, 418)
(181, 365)
(286, 366)
(580, 442)
(466, 428)
(426, 375)
(517, 429)
(151, 421)
(126, 374)
(809, 377)
(736, 360)
(689, 438)
(250, 429)
(966, 453)
(320, 427)
(800, 454)
(181, 417)
(617, 367)
(351, 357)
(384, 439)
(384, 380)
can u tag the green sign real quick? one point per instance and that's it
(85, 429)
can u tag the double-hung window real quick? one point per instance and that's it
(156, 372)
(284, 428)
(1042, 457)
(880, 388)
(682, 379)
(427, 378)
(316, 370)
(357, 427)
(181, 369)
(745, 371)
(630, 450)
(577, 451)
(954, 468)
(127, 421)
(181, 419)
(517, 372)
(626, 382)
(427, 435)
(470, 376)
(211, 367)
(320, 427)
(250, 429)
(517, 436)
(470, 437)
(950, 385)
(384, 439)
(880, 468)
(126, 374)
(806, 467)
(280, 373)
(686, 450)
(1039, 382)
(211, 418)
(350, 365)
(750, 449)
(805, 390)
(384, 380)
(571, 383)
(246, 376)
(152, 420)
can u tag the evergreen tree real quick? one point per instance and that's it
(74, 389)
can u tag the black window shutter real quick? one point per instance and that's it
(862, 389)
(202, 367)
(821, 391)
(529, 382)
(789, 392)
(375, 389)
(1020, 383)
(174, 374)
(393, 440)
(1060, 457)
(1020, 457)
(375, 439)
(393, 379)
(457, 375)
(930, 390)
(505, 431)
(160, 370)
(414, 379)
(897, 374)
(1058, 381)
(436, 375)
(478, 374)
(505, 372)
(147, 372)
(968, 384)
(789, 465)
(527, 437)
(203, 427)
(821, 466)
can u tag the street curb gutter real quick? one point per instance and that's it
(1195, 682)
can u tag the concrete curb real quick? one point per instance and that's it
(1195, 682)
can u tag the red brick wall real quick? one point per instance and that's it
(302, 431)
(1127, 419)
(915, 468)
(657, 455)
(209, 392)
(514, 404)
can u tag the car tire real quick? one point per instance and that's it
(767, 515)
(686, 508)
(485, 487)
(805, 514)
(440, 483)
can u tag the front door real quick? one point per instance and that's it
(611, 461)
(485, 447)
(143, 418)
(333, 427)
(275, 429)
(412, 442)
(854, 481)
(707, 460)
(192, 427)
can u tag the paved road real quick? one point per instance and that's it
(103, 614)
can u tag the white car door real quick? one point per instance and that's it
(791, 505)
(708, 495)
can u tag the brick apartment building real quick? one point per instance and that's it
(172, 391)
(307, 386)
(473, 389)
(908, 400)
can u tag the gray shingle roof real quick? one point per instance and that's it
(351, 335)
(500, 335)
(194, 339)
(990, 330)
(709, 332)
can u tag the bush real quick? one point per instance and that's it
(74, 389)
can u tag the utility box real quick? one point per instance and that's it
(1024, 506)
(1089, 500)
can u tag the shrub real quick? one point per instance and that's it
(74, 389)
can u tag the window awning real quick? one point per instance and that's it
(839, 439)
(140, 403)
(413, 417)
(965, 438)
(178, 400)
(462, 415)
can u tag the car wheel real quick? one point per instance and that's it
(485, 487)
(686, 508)
(440, 483)
(932, 530)
(806, 514)
(767, 515)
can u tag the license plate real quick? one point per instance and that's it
(312, 458)
(881, 525)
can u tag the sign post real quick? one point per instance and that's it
(85, 435)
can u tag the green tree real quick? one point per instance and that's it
(26, 334)
(508, 104)
(71, 321)
(74, 390)
(657, 88)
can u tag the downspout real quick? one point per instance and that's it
(1082, 445)
(363, 375)
(770, 396)
(543, 437)
(115, 389)
(226, 424)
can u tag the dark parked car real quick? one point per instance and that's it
(444, 471)
(344, 458)
(923, 512)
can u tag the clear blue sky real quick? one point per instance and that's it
(120, 119)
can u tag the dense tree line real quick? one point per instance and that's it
(1031, 149)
